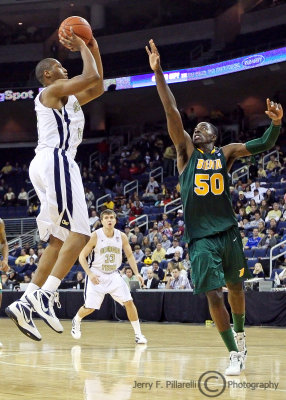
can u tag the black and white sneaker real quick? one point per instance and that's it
(43, 303)
(21, 314)
(140, 339)
(235, 364)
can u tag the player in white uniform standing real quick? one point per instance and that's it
(104, 250)
(63, 217)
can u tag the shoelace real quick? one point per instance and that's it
(57, 299)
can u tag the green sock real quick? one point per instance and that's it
(238, 322)
(228, 338)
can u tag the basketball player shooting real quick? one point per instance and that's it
(104, 250)
(215, 244)
(63, 217)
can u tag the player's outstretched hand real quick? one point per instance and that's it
(154, 56)
(71, 41)
(274, 111)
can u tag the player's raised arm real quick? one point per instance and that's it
(88, 78)
(5, 249)
(83, 256)
(179, 136)
(259, 145)
(130, 257)
(98, 89)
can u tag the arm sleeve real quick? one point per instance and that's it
(266, 142)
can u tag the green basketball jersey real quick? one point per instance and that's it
(205, 195)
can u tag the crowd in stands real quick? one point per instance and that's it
(162, 255)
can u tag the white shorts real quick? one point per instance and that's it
(112, 283)
(57, 181)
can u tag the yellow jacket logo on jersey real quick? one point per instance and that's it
(209, 164)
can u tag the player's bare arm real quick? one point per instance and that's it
(56, 92)
(266, 142)
(130, 257)
(181, 139)
(98, 89)
(83, 256)
(4, 246)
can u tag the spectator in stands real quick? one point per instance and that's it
(177, 259)
(257, 219)
(261, 229)
(29, 267)
(166, 242)
(138, 234)
(13, 278)
(242, 198)
(5, 284)
(150, 188)
(27, 278)
(271, 163)
(154, 232)
(94, 221)
(151, 282)
(261, 173)
(263, 209)
(269, 197)
(158, 272)
(243, 238)
(275, 213)
(9, 197)
(177, 281)
(269, 240)
(159, 253)
(7, 169)
(137, 208)
(109, 204)
(22, 197)
(138, 253)
(79, 280)
(167, 230)
(133, 241)
(145, 243)
(128, 232)
(124, 173)
(258, 271)
(169, 156)
(254, 240)
(257, 197)
(14, 253)
(147, 263)
(172, 250)
(22, 259)
(89, 197)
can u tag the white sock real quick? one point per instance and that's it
(77, 317)
(136, 327)
(51, 284)
(30, 288)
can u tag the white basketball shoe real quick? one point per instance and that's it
(43, 303)
(235, 364)
(75, 331)
(21, 314)
(140, 339)
(239, 338)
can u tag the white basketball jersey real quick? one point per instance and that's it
(60, 129)
(107, 254)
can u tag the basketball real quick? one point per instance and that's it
(80, 27)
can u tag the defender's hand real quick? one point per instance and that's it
(4, 266)
(154, 56)
(71, 41)
(274, 111)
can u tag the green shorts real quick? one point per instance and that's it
(218, 259)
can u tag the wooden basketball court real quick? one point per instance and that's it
(107, 365)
